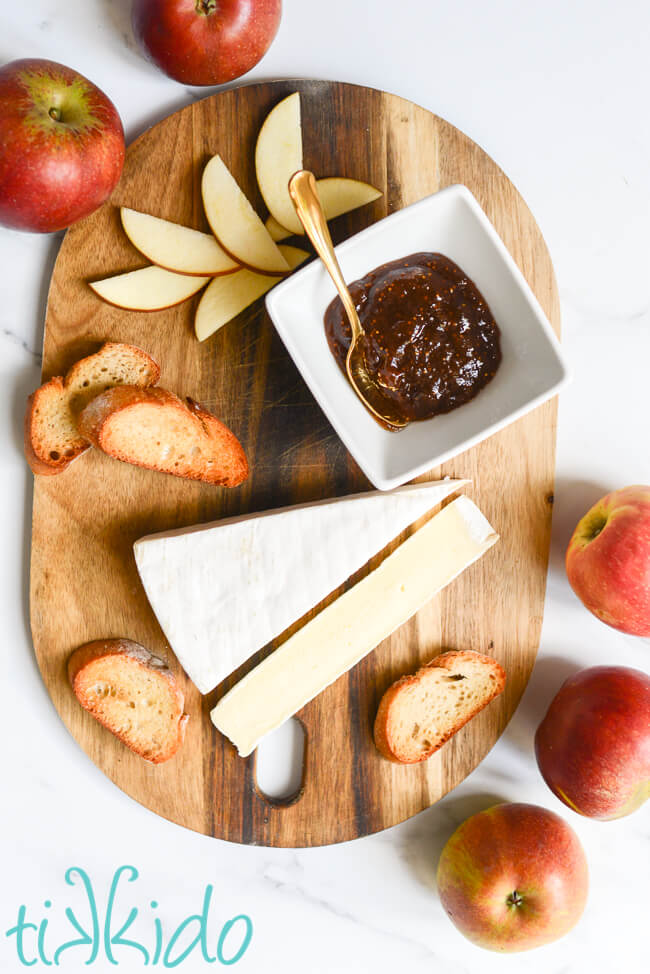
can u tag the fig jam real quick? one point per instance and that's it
(430, 338)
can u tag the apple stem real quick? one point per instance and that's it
(206, 7)
(515, 899)
(55, 113)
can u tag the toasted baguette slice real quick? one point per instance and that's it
(153, 428)
(52, 440)
(132, 694)
(419, 713)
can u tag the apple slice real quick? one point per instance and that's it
(226, 296)
(277, 231)
(278, 155)
(338, 195)
(175, 247)
(235, 223)
(148, 289)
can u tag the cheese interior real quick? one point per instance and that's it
(344, 632)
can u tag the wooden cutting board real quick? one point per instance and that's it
(84, 583)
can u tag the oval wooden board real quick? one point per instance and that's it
(84, 583)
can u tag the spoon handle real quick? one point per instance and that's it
(304, 193)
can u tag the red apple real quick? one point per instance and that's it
(513, 877)
(593, 746)
(62, 146)
(205, 42)
(608, 560)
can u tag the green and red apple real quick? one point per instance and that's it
(608, 560)
(593, 746)
(513, 877)
(205, 42)
(62, 146)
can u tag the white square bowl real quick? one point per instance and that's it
(532, 370)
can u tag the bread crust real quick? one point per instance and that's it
(95, 425)
(391, 698)
(42, 463)
(128, 649)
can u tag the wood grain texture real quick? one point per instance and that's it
(84, 583)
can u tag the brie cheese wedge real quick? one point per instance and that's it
(349, 628)
(222, 591)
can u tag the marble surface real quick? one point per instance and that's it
(557, 94)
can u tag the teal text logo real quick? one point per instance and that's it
(93, 936)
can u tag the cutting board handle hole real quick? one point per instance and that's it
(280, 762)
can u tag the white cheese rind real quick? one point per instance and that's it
(349, 628)
(223, 591)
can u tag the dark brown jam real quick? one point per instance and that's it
(430, 338)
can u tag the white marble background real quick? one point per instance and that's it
(557, 93)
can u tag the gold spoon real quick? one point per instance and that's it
(303, 192)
